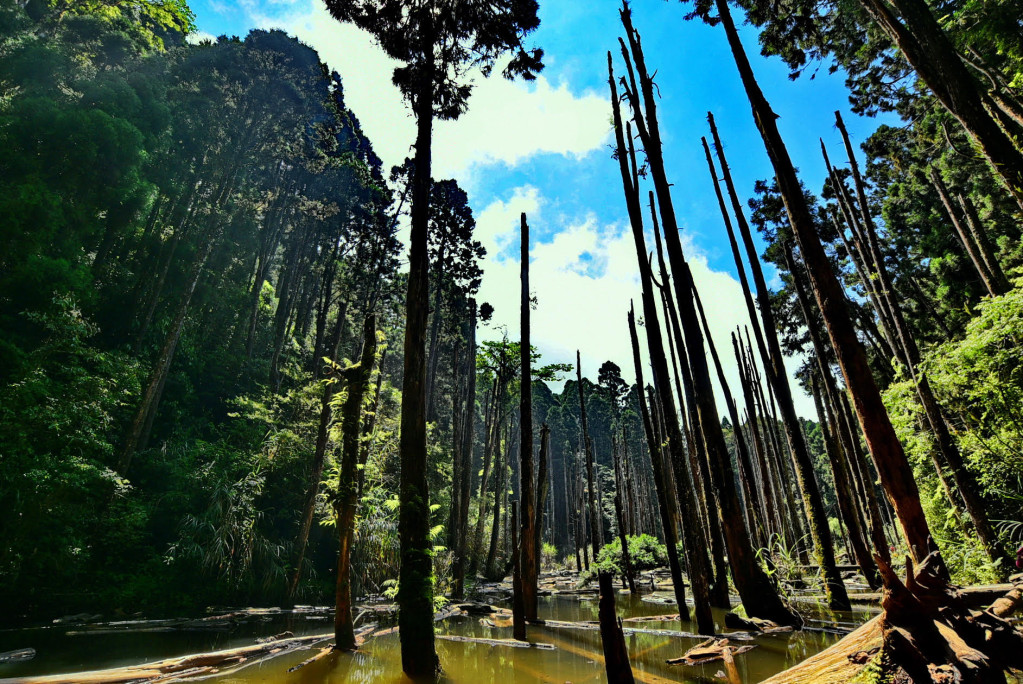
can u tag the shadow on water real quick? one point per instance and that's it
(576, 657)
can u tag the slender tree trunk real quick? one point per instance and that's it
(993, 287)
(528, 562)
(767, 489)
(839, 467)
(627, 578)
(980, 238)
(695, 544)
(347, 502)
(884, 444)
(543, 478)
(415, 577)
(758, 594)
(946, 446)
(616, 657)
(518, 608)
(492, 429)
(433, 355)
(591, 488)
(154, 387)
(774, 366)
(501, 460)
(468, 424)
(697, 452)
(319, 452)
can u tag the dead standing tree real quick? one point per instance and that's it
(695, 542)
(759, 596)
(777, 376)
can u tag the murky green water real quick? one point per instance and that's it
(576, 657)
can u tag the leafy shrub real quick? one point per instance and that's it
(645, 553)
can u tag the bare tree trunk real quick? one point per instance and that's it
(758, 594)
(467, 441)
(993, 286)
(347, 502)
(518, 609)
(627, 579)
(501, 458)
(415, 576)
(543, 478)
(137, 432)
(697, 451)
(774, 367)
(980, 238)
(319, 452)
(528, 562)
(910, 356)
(695, 544)
(893, 467)
(492, 427)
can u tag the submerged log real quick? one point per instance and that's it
(513, 643)
(735, 621)
(17, 655)
(709, 651)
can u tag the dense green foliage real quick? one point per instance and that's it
(139, 168)
(645, 553)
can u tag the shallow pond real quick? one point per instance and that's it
(575, 658)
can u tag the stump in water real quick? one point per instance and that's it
(930, 632)
(612, 638)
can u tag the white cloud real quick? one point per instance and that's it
(196, 37)
(510, 121)
(584, 278)
(507, 121)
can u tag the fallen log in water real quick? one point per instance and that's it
(833, 665)
(709, 651)
(322, 653)
(178, 668)
(18, 655)
(512, 643)
(974, 597)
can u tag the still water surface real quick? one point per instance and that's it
(575, 658)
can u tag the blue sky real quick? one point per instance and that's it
(543, 148)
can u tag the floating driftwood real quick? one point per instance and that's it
(709, 651)
(755, 624)
(18, 655)
(322, 653)
(652, 618)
